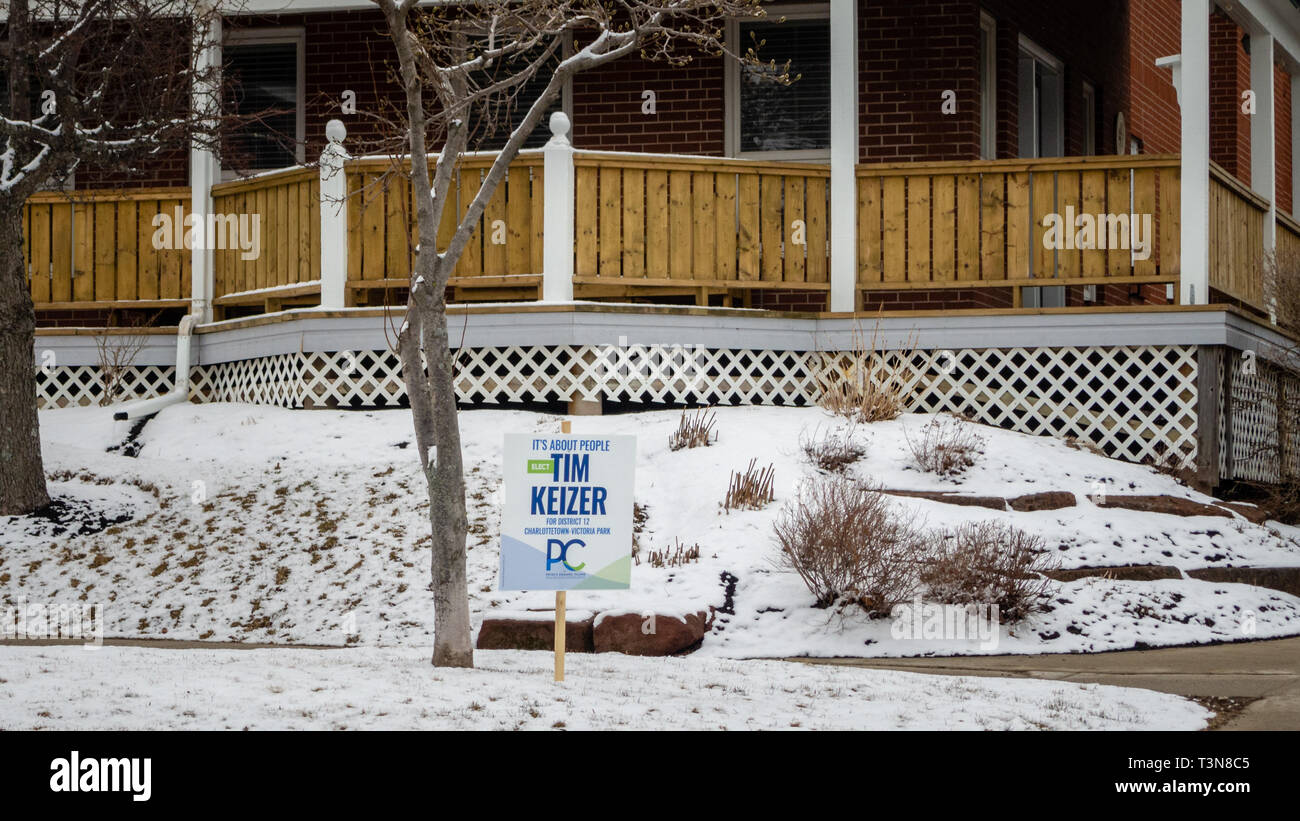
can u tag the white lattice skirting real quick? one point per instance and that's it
(1259, 436)
(1135, 402)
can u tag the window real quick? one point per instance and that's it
(765, 117)
(988, 88)
(1042, 134)
(491, 133)
(1089, 119)
(265, 70)
(1042, 102)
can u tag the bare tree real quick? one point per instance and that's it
(460, 61)
(95, 84)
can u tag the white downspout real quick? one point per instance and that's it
(180, 391)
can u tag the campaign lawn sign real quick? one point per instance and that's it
(567, 517)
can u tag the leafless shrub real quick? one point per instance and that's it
(750, 490)
(676, 556)
(1282, 286)
(694, 430)
(848, 543)
(1281, 501)
(117, 353)
(832, 452)
(1172, 462)
(858, 384)
(946, 446)
(989, 563)
(1083, 444)
(640, 515)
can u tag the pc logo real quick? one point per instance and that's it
(553, 545)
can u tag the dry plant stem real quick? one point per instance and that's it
(752, 489)
(857, 384)
(694, 430)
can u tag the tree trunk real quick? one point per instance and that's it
(22, 474)
(437, 435)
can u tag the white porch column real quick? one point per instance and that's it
(1195, 107)
(1263, 131)
(333, 218)
(844, 154)
(557, 218)
(205, 171)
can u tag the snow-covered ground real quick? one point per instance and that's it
(268, 525)
(117, 688)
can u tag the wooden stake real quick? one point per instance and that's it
(559, 635)
(560, 628)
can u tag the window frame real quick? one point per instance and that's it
(989, 88)
(731, 93)
(1041, 55)
(1089, 119)
(275, 35)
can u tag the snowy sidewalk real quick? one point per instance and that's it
(1265, 670)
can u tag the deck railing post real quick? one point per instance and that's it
(844, 156)
(205, 171)
(333, 218)
(1263, 141)
(1194, 103)
(557, 219)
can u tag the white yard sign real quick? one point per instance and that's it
(567, 518)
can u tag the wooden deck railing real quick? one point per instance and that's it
(96, 249)
(286, 260)
(1288, 238)
(699, 222)
(1236, 250)
(974, 224)
(653, 224)
(382, 230)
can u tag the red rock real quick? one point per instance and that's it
(1047, 500)
(533, 634)
(644, 635)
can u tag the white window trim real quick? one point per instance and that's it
(731, 136)
(268, 36)
(989, 96)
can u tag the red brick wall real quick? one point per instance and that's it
(1153, 114)
(936, 299)
(791, 300)
(1229, 77)
(689, 107)
(908, 55)
(1282, 113)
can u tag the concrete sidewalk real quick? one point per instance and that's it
(1266, 670)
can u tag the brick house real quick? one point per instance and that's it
(910, 173)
